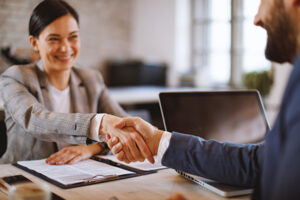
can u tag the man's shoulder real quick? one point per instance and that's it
(297, 60)
(294, 79)
(290, 102)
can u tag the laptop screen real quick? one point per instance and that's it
(231, 116)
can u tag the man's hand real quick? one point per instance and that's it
(150, 134)
(133, 144)
(73, 154)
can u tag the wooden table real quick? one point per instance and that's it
(156, 186)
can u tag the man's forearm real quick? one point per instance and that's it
(236, 164)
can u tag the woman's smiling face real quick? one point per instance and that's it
(58, 44)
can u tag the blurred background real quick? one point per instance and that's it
(146, 46)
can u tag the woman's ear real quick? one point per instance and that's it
(34, 43)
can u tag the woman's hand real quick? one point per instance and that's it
(116, 148)
(73, 154)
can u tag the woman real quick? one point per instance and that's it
(52, 105)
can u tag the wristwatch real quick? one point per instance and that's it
(105, 149)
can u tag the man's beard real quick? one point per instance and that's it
(282, 37)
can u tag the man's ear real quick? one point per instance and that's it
(296, 2)
(34, 43)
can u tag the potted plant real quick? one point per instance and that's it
(262, 81)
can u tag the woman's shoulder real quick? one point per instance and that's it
(88, 74)
(21, 72)
(20, 69)
(86, 70)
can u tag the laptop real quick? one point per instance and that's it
(227, 116)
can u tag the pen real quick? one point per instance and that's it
(102, 177)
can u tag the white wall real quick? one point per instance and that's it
(153, 32)
(183, 36)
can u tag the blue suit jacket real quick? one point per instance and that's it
(271, 167)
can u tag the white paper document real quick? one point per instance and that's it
(145, 166)
(83, 171)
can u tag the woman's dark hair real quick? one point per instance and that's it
(46, 12)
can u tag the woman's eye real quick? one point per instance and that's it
(53, 39)
(74, 36)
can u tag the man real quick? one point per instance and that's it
(271, 167)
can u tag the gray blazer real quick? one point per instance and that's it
(32, 129)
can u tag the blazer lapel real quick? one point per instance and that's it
(43, 81)
(79, 97)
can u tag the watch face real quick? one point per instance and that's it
(102, 138)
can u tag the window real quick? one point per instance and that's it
(254, 40)
(224, 42)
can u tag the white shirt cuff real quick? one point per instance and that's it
(163, 145)
(94, 128)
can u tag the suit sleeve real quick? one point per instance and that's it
(35, 119)
(234, 164)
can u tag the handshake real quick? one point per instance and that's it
(130, 139)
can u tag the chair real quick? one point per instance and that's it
(135, 73)
(3, 136)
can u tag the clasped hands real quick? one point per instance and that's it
(131, 139)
